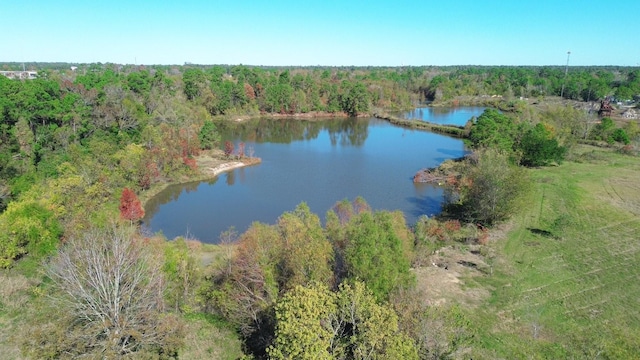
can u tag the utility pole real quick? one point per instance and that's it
(566, 69)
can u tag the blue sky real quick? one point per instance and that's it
(333, 33)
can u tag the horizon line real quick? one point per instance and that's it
(316, 65)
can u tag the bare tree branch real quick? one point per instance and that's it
(113, 285)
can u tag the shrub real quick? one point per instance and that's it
(268, 261)
(491, 189)
(315, 323)
(228, 148)
(432, 234)
(539, 148)
(628, 150)
(620, 135)
(130, 206)
(603, 130)
(373, 236)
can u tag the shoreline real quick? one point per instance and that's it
(224, 167)
(205, 173)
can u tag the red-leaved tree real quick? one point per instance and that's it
(228, 148)
(248, 89)
(130, 206)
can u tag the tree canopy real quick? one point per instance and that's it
(493, 129)
(315, 323)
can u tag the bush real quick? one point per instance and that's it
(315, 323)
(27, 227)
(268, 261)
(628, 150)
(603, 130)
(489, 190)
(228, 148)
(429, 231)
(539, 148)
(374, 253)
(620, 135)
(209, 136)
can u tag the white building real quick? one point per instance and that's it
(20, 75)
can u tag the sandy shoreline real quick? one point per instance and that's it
(224, 167)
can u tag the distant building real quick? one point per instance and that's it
(74, 68)
(20, 75)
(605, 108)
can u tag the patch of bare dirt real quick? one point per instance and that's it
(447, 277)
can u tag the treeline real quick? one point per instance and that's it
(579, 83)
(242, 90)
(584, 83)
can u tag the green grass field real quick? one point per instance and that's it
(566, 281)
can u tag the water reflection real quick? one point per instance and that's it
(171, 194)
(352, 132)
(427, 200)
(231, 178)
(345, 132)
(444, 115)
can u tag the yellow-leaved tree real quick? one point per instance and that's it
(314, 323)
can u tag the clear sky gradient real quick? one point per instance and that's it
(331, 33)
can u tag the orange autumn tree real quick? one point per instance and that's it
(130, 206)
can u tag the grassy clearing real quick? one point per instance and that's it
(567, 284)
(208, 338)
(15, 294)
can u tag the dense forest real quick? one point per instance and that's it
(79, 147)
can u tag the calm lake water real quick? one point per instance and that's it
(445, 116)
(318, 162)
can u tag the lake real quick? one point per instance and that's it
(317, 162)
(444, 115)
